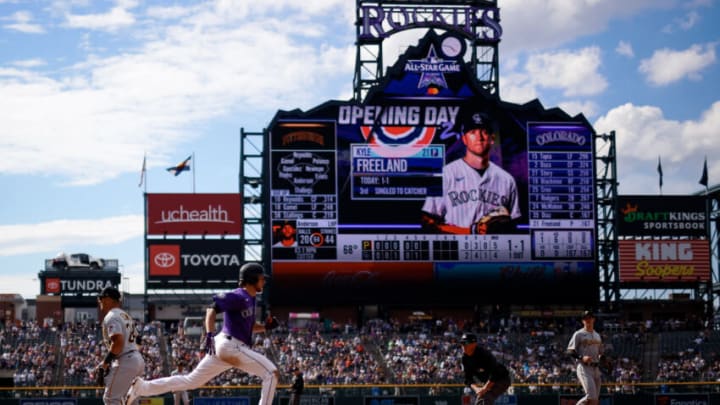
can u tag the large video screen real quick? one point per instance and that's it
(431, 191)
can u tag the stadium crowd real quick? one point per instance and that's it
(378, 352)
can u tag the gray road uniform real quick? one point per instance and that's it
(129, 363)
(585, 343)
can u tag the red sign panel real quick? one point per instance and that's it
(52, 285)
(194, 214)
(164, 260)
(664, 260)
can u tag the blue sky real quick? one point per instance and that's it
(90, 87)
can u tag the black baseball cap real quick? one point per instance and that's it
(477, 120)
(588, 314)
(468, 338)
(110, 292)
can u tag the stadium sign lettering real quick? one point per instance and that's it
(396, 115)
(211, 214)
(644, 269)
(361, 278)
(381, 22)
(84, 285)
(663, 251)
(663, 216)
(210, 260)
(561, 136)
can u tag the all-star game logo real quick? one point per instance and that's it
(432, 69)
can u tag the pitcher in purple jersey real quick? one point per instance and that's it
(479, 197)
(229, 348)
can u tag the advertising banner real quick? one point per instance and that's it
(194, 260)
(658, 216)
(194, 214)
(221, 401)
(682, 399)
(664, 260)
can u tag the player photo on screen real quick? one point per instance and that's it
(479, 196)
(284, 233)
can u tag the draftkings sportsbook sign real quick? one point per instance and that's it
(662, 216)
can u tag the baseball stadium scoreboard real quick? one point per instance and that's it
(349, 183)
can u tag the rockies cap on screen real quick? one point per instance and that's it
(477, 120)
(110, 292)
(588, 314)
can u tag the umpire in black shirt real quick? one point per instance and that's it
(297, 387)
(487, 378)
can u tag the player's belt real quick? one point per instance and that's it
(591, 364)
(228, 337)
(128, 352)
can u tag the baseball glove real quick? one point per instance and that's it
(271, 323)
(605, 365)
(497, 221)
(100, 372)
(207, 344)
(431, 222)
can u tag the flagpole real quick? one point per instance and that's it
(145, 173)
(660, 174)
(194, 169)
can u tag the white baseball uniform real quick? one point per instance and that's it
(468, 197)
(587, 343)
(129, 363)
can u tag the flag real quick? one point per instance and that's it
(142, 171)
(704, 177)
(183, 166)
(659, 169)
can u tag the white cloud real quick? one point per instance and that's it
(22, 22)
(574, 107)
(118, 17)
(575, 72)
(517, 87)
(681, 144)
(56, 236)
(685, 23)
(666, 66)
(151, 97)
(530, 25)
(625, 49)
(29, 63)
(168, 13)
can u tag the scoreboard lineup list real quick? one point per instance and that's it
(560, 211)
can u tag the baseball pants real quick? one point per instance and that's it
(122, 371)
(589, 377)
(229, 353)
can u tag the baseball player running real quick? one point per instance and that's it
(586, 347)
(478, 196)
(123, 361)
(230, 348)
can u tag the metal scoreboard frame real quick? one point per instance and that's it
(349, 181)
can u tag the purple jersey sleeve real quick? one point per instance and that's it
(239, 309)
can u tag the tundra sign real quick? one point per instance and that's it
(185, 261)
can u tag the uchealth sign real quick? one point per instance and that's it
(194, 259)
(194, 214)
(664, 260)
